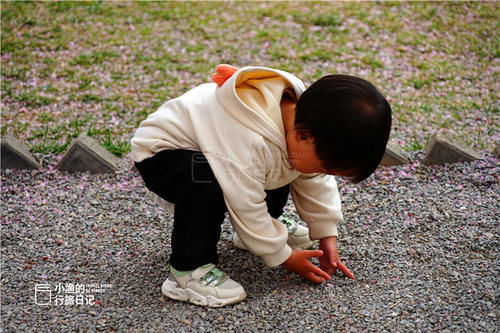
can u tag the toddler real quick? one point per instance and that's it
(240, 145)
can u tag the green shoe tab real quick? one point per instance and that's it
(290, 224)
(214, 276)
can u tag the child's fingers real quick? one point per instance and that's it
(313, 278)
(316, 274)
(312, 253)
(345, 270)
(317, 271)
(328, 270)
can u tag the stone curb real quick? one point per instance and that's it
(441, 150)
(16, 155)
(393, 156)
(86, 154)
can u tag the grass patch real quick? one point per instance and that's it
(50, 140)
(33, 98)
(414, 144)
(117, 147)
(433, 60)
(96, 57)
(372, 61)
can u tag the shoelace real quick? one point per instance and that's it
(214, 276)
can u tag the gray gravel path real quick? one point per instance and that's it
(422, 241)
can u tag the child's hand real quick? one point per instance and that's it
(330, 260)
(298, 262)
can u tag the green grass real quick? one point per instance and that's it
(414, 145)
(33, 99)
(102, 67)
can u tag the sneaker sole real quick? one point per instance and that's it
(171, 290)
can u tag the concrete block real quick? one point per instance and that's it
(86, 154)
(393, 156)
(442, 150)
(497, 151)
(16, 155)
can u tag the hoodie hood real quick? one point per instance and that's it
(252, 96)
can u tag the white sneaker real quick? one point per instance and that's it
(298, 236)
(206, 286)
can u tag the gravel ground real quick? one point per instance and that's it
(422, 241)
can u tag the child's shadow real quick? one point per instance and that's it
(248, 269)
(147, 268)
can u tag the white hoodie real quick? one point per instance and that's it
(238, 127)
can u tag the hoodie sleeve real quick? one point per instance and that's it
(317, 200)
(245, 199)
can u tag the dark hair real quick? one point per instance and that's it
(350, 122)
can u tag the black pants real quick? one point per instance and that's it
(185, 178)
